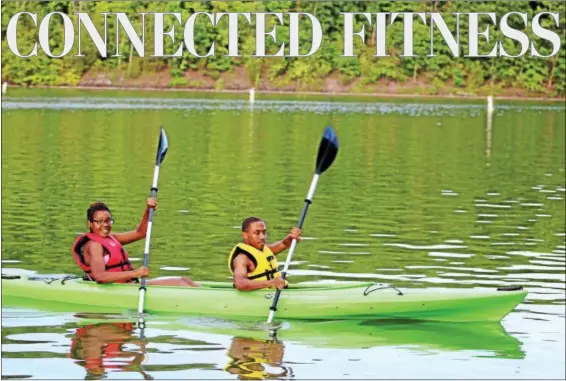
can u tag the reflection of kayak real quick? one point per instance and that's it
(348, 300)
(351, 334)
(427, 335)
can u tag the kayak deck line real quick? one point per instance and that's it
(48, 279)
(302, 301)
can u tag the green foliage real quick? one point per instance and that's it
(433, 66)
(219, 84)
(253, 68)
(373, 69)
(178, 82)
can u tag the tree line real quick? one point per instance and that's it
(531, 75)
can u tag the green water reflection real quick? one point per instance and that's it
(401, 186)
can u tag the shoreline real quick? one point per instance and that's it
(288, 92)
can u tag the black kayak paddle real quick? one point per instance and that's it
(327, 151)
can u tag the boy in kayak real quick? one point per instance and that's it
(253, 262)
(102, 257)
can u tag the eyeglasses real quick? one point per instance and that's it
(107, 222)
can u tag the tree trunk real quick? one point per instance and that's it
(130, 60)
(415, 74)
(551, 75)
(373, 36)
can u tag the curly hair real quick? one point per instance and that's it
(95, 207)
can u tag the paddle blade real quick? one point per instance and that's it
(161, 147)
(327, 150)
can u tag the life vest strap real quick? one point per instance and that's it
(120, 264)
(269, 274)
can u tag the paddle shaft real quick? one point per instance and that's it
(147, 241)
(308, 202)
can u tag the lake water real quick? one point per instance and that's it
(422, 194)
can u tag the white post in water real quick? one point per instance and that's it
(4, 87)
(488, 129)
(252, 95)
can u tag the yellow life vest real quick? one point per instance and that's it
(264, 261)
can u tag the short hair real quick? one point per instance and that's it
(248, 221)
(96, 207)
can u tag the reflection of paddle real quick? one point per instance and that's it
(327, 151)
(161, 151)
(143, 349)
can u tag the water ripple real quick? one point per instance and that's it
(425, 247)
(193, 104)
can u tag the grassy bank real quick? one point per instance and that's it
(148, 90)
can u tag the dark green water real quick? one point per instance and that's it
(421, 194)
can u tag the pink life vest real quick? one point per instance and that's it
(115, 257)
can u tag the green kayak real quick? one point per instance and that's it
(315, 301)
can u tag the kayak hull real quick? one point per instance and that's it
(352, 300)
